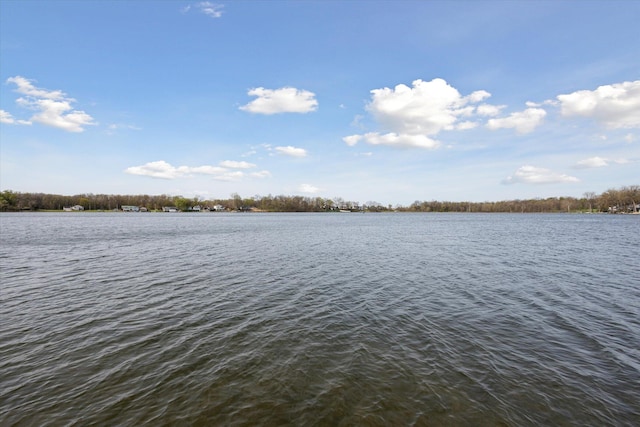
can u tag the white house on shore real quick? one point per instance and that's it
(75, 208)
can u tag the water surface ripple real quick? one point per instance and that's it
(319, 319)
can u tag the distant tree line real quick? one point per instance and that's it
(622, 200)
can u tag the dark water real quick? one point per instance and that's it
(319, 319)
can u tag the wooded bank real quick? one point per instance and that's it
(622, 200)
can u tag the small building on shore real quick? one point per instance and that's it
(75, 208)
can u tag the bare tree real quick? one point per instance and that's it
(590, 196)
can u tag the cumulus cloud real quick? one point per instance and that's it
(210, 9)
(225, 172)
(291, 151)
(615, 106)
(236, 165)
(466, 125)
(393, 139)
(59, 114)
(53, 107)
(489, 110)
(26, 87)
(162, 169)
(413, 116)
(308, 188)
(592, 162)
(598, 162)
(283, 100)
(427, 108)
(523, 121)
(352, 140)
(534, 175)
(8, 119)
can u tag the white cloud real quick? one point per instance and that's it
(7, 118)
(629, 138)
(164, 170)
(159, 169)
(54, 107)
(236, 165)
(261, 174)
(352, 140)
(210, 9)
(466, 125)
(523, 121)
(427, 108)
(412, 116)
(592, 162)
(489, 110)
(25, 87)
(534, 175)
(615, 106)
(59, 114)
(393, 140)
(292, 151)
(309, 189)
(478, 95)
(284, 100)
(598, 162)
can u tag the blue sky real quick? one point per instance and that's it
(386, 101)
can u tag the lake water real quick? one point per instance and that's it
(156, 319)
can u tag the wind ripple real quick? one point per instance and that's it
(319, 320)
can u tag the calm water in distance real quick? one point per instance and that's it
(154, 319)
